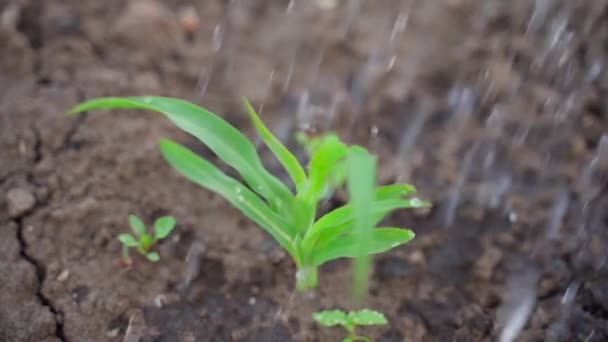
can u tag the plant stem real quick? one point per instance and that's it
(306, 278)
(125, 254)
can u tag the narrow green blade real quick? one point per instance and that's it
(361, 181)
(225, 141)
(286, 158)
(207, 175)
(380, 240)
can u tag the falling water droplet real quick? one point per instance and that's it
(512, 217)
(374, 131)
(456, 190)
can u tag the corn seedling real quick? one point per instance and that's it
(289, 216)
(350, 321)
(141, 240)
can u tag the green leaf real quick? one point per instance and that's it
(163, 227)
(223, 139)
(325, 159)
(361, 183)
(286, 158)
(367, 317)
(153, 256)
(394, 191)
(330, 318)
(347, 246)
(207, 175)
(138, 227)
(128, 240)
(381, 208)
(340, 220)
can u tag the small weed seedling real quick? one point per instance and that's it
(288, 215)
(350, 321)
(141, 240)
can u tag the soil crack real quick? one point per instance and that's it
(41, 276)
(39, 267)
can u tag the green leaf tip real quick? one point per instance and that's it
(283, 155)
(128, 240)
(367, 317)
(153, 256)
(163, 227)
(138, 227)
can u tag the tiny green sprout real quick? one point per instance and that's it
(288, 214)
(350, 321)
(141, 240)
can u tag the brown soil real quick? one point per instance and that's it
(68, 183)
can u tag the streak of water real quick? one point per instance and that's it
(571, 292)
(456, 190)
(491, 192)
(401, 22)
(518, 303)
(353, 9)
(587, 184)
(559, 329)
(217, 46)
(558, 212)
(133, 332)
(462, 100)
(539, 15)
(317, 108)
(408, 140)
(363, 80)
(414, 128)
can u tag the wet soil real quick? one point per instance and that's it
(68, 183)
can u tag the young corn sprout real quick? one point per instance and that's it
(289, 215)
(350, 321)
(141, 240)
